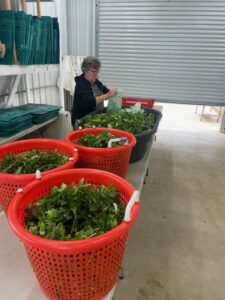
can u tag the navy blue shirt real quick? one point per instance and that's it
(84, 101)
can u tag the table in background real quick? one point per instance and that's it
(216, 109)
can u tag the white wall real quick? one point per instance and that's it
(47, 8)
(81, 27)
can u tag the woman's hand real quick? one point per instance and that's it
(112, 93)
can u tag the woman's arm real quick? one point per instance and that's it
(108, 95)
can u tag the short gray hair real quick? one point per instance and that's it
(90, 62)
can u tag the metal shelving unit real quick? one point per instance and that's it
(9, 70)
(5, 140)
(18, 71)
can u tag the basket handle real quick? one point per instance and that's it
(123, 140)
(134, 198)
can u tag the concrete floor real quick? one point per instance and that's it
(176, 250)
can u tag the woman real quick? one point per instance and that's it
(90, 93)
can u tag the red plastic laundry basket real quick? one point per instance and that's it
(114, 160)
(9, 183)
(85, 269)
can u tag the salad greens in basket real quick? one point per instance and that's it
(75, 212)
(98, 141)
(28, 162)
(134, 122)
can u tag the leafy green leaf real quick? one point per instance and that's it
(75, 212)
(28, 162)
(98, 140)
(134, 122)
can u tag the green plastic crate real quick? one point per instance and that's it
(40, 118)
(49, 49)
(56, 41)
(9, 116)
(7, 35)
(25, 124)
(30, 44)
(28, 37)
(37, 31)
(40, 112)
(40, 55)
(13, 121)
(20, 36)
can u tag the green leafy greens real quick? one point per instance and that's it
(134, 122)
(28, 162)
(75, 212)
(98, 141)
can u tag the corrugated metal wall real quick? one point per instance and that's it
(81, 27)
(169, 50)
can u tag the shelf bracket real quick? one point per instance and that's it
(13, 90)
(28, 88)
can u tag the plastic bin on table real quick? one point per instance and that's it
(84, 269)
(139, 150)
(145, 102)
(9, 183)
(143, 138)
(113, 160)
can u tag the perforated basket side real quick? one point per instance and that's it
(82, 270)
(113, 160)
(9, 183)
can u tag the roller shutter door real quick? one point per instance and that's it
(172, 51)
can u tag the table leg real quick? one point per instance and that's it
(203, 108)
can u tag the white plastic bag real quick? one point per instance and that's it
(115, 103)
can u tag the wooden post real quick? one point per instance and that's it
(38, 8)
(8, 7)
(24, 5)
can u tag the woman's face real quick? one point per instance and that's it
(91, 75)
